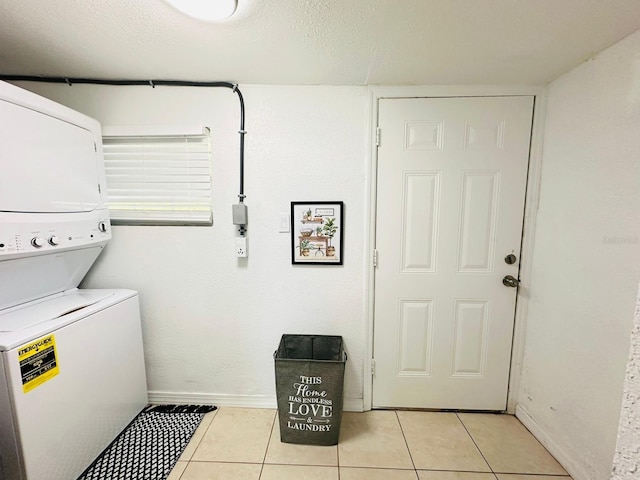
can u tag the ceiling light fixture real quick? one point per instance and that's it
(208, 10)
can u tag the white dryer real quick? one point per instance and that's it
(72, 372)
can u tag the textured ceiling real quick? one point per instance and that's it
(329, 42)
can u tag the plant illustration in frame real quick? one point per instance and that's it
(317, 233)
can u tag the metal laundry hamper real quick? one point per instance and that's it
(309, 388)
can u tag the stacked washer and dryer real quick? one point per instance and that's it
(72, 370)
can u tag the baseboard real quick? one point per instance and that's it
(572, 466)
(224, 400)
(220, 400)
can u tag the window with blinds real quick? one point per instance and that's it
(158, 179)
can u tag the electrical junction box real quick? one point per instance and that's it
(239, 214)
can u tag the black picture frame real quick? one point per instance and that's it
(317, 233)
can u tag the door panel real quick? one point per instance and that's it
(451, 187)
(414, 349)
(477, 229)
(419, 223)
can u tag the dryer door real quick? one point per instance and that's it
(50, 165)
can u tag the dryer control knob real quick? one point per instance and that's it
(54, 240)
(102, 227)
(37, 242)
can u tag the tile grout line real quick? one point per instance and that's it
(266, 450)
(217, 410)
(230, 462)
(477, 446)
(183, 470)
(404, 437)
(338, 447)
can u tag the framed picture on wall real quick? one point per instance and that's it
(317, 233)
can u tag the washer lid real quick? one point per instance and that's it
(38, 312)
(23, 323)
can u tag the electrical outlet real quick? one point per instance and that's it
(241, 247)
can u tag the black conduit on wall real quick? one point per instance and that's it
(149, 83)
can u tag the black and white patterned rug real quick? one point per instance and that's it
(150, 446)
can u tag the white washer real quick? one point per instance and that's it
(72, 372)
(54, 426)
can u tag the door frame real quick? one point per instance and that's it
(528, 236)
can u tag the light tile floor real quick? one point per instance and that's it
(240, 443)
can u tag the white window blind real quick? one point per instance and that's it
(158, 179)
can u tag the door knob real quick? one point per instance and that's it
(510, 281)
(510, 259)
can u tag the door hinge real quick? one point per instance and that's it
(373, 366)
(377, 136)
(375, 258)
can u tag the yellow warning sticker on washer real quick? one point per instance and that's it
(38, 362)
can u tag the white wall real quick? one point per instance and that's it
(586, 262)
(212, 322)
(626, 462)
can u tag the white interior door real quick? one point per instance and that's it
(452, 176)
